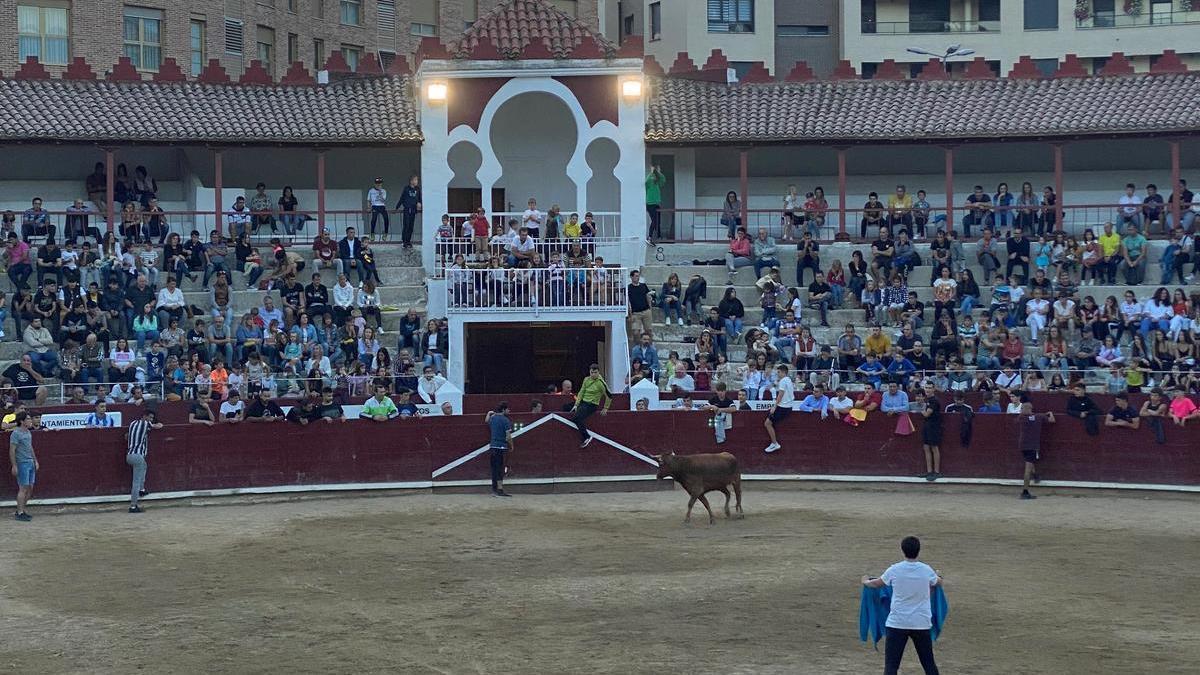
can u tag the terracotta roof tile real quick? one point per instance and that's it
(526, 29)
(689, 111)
(360, 110)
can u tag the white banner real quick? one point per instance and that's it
(73, 420)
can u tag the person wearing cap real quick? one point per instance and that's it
(409, 206)
(377, 200)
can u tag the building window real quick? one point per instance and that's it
(43, 32)
(927, 16)
(470, 13)
(731, 16)
(386, 59)
(265, 48)
(627, 26)
(293, 54)
(143, 37)
(386, 15)
(351, 12)
(792, 30)
(1041, 14)
(198, 37)
(1046, 66)
(1104, 13)
(424, 18)
(655, 20)
(568, 7)
(235, 36)
(318, 54)
(352, 55)
(989, 10)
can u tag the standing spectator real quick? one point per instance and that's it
(693, 296)
(791, 203)
(910, 617)
(1030, 440)
(592, 391)
(409, 206)
(138, 438)
(640, 299)
(377, 201)
(23, 461)
(500, 430)
(931, 435)
(655, 182)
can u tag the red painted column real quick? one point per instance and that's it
(321, 190)
(744, 186)
(1176, 208)
(110, 181)
(218, 205)
(841, 161)
(1058, 186)
(949, 187)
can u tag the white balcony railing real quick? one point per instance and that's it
(604, 223)
(537, 290)
(547, 250)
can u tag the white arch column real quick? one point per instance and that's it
(435, 173)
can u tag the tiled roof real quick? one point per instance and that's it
(690, 111)
(529, 29)
(361, 110)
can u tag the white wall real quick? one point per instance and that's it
(534, 136)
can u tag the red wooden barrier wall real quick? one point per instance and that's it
(184, 457)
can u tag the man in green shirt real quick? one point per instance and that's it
(379, 408)
(1133, 250)
(654, 185)
(591, 392)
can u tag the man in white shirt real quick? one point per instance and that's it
(1037, 311)
(377, 199)
(520, 250)
(269, 312)
(532, 219)
(343, 299)
(171, 303)
(1131, 206)
(429, 384)
(238, 218)
(841, 404)
(910, 615)
(785, 395)
(681, 383)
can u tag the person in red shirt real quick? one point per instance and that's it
(739, 254)
(870, 398)
(325, 252)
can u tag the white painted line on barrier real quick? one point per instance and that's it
(427, 484)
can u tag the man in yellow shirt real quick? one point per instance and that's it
(592, 391)
(900, 210)
(878, 343)
(1110, 249)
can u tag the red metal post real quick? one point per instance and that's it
(744, 186)
(218, 205)
(841, 159)
(1058, 186)
(320, 190)
(949, 187)
(1176, 206)
(110, 181)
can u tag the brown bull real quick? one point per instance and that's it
(700, 474)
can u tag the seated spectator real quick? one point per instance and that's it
(670, 299)
(765, 252)
(740, 253)
(872, 215)
(43, 350)
(1133, 252)
(35, 222)
(979, 210)
(681, 381)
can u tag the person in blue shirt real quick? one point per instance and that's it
(647, 353)
(871, 369)
(404, 405)
(816, 401)
(895, 400)
(990, 404)
(900, 369)
(156, 361)
(500, 428)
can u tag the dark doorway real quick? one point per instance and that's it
(466, 200)
(516, 358)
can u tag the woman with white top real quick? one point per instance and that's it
(1157, 312)
(120, 361)
(1132, 313)
(944, 291)
(367, 300)
(791, 204)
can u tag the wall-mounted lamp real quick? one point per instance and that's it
(435, 92)
(631, 88)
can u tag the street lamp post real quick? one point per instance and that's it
(951, 52)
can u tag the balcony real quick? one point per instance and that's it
(536, 290)
(924, 27)
(1146, 18)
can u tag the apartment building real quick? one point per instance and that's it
(865, 32)
(275, 32)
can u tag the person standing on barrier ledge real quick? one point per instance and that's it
(501, 442)
(592, 391)
(910, 615)
(24, 462)
(138, 438)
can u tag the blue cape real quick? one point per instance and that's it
(877, 602)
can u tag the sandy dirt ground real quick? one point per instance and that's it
(595, 583)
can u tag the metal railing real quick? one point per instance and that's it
(1148, 17)
(909, 27)
(558, 289)
(604, 223)
(448, 250)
